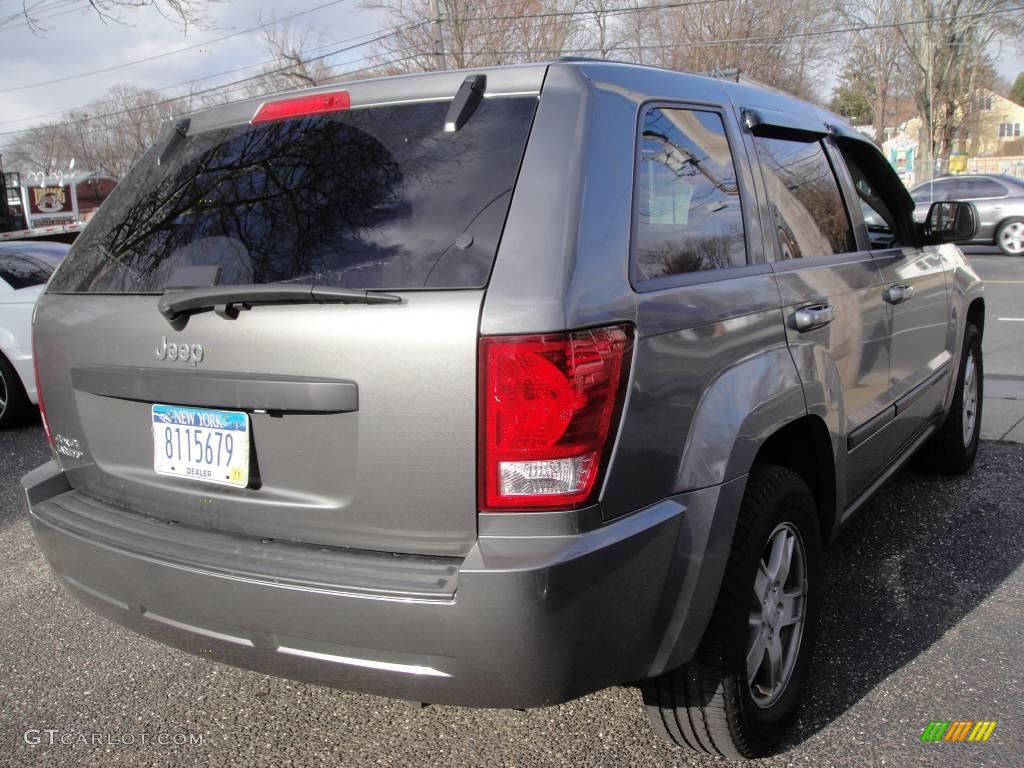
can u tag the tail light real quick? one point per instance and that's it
(39, 395)
(547, 405)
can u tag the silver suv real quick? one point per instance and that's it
(495, 388)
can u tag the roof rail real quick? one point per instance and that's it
(586, 59)
(725, 73)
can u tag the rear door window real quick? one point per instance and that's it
(981, 188)
(688, 212)
(803, 194)
(373, 198)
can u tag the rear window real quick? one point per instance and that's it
(984, 188)
(25, 271)
(377, 198)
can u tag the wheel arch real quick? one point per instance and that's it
(976, 315)
(804, 446)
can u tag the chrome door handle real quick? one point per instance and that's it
(897, 294)
(810, 318)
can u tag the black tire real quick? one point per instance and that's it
(948, 451)
(1011, 246)
(14, 403)
(708, 705)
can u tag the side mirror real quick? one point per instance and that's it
(951, 222)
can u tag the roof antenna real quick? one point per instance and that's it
(470, 94)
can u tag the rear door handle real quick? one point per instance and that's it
(897, 294)
(810, 318)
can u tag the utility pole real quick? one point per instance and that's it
(435, 31)
(931, 108)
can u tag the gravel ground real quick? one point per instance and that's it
(922, 621)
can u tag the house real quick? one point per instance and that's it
(989, 139)
(991, 126)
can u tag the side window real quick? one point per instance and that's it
(804, 197)
(949, 189)
(688, 214)
(883, 202)
(923, 194)
(985, 188)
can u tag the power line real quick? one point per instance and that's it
(28, 18)
(169, 53)
(592, 12)
(751, 40)
(341, 76)
(97, 104)
(754, 39)
(279, 70)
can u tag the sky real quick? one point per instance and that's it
(77, 41)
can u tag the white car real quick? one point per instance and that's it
(24, 269)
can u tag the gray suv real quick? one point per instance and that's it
(495, 388)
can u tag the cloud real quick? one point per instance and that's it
(79, 42)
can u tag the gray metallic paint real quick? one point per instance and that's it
(373, 478)
(549, 605)
(535, 621)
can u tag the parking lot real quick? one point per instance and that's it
(921, 622)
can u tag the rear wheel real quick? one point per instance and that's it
(953, 448)
(742, 689)
(1010, 237)
(14, 404)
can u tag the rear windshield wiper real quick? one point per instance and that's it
(226, 300)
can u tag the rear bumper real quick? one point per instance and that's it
(519, 622)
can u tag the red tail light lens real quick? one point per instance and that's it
(547, 404)
(39, 395)
(300, 106)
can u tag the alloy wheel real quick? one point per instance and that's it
(4, 395)
(776, 620)
(1011, 238)
(970, 399)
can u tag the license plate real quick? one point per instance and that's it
(201, 444)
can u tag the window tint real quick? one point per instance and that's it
(371, 198)
(883, 202)
(25, 271)
(948, 189)
(808, 209)
(687, 201)
(985, 188)
(923, 193)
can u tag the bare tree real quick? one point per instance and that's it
(876, 65)
(39, 150)
(476, 32)
(180, 13)
(778, 42)
(948, 48)
(291, 65)
(111, 134)
(108, 136)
